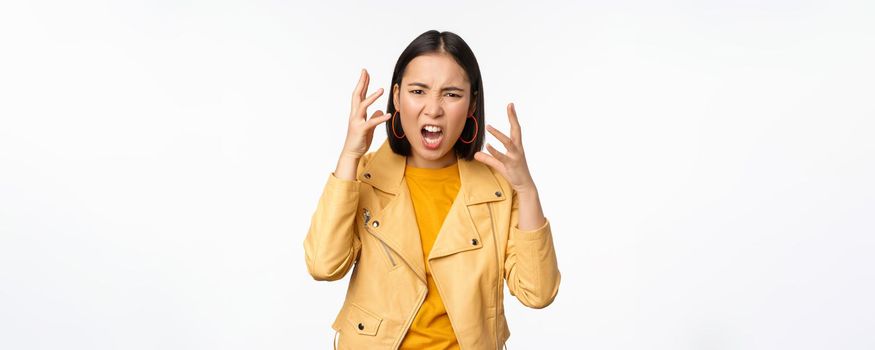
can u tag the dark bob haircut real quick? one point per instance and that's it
(431, 42)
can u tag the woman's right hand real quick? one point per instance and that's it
(360, 131)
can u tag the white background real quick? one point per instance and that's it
(707, 166)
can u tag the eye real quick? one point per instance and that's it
(414, 91)
(454, 95)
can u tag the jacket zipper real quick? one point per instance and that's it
(438, 284)
(498, 296)
(386, 249)
(366, 216)
(410, 319)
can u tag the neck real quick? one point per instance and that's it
(446, 160)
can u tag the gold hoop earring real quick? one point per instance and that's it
(393, 127)
(475, 130)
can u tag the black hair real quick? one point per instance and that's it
(429, 42)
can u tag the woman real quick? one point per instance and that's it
(430, 223)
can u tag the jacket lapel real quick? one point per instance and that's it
(398, 227)
(460, 232)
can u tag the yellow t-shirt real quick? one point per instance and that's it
(433, 192)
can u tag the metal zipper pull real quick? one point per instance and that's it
(366, 216)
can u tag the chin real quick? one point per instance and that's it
(431, 154)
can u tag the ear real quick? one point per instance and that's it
(396, 90)
(473, 104)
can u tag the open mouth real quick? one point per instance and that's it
(432, 136)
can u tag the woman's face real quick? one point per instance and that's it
(434, 92)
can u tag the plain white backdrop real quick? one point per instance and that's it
(707, 166)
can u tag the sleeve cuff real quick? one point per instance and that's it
(527, 235)
(336, 184)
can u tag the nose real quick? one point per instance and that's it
(434, 107)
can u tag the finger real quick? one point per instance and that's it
(357, 92)
(365, 87)
(377, 118)
(376, 113)
(367, 102)
(490, 161)
(515, 130)
(500, 136)
(497, 154)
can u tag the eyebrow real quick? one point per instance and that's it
(427, 87)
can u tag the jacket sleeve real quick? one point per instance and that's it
(531, 270)
(332, 245)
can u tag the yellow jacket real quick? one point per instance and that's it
(368, 224)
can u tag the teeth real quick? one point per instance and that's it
(434, 129)
(432, 141)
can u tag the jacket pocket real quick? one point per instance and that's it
(363, 321)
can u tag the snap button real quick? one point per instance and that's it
(498, 193)
(361, 327)
(376, 223)
(367, 175)
(474, 241)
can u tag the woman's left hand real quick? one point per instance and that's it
(513, 164)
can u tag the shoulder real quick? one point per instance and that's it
(363, 163)
(498, 177)
(502, 181)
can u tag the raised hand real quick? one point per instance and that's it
(360, 131)
(511, 165)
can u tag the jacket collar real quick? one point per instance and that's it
(385, 171)
(459, 232)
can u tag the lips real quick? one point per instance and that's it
(432, 135)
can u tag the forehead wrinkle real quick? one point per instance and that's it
(447, 88)
(436, 66)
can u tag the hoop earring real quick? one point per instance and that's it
(475, 130)
(393, 127)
